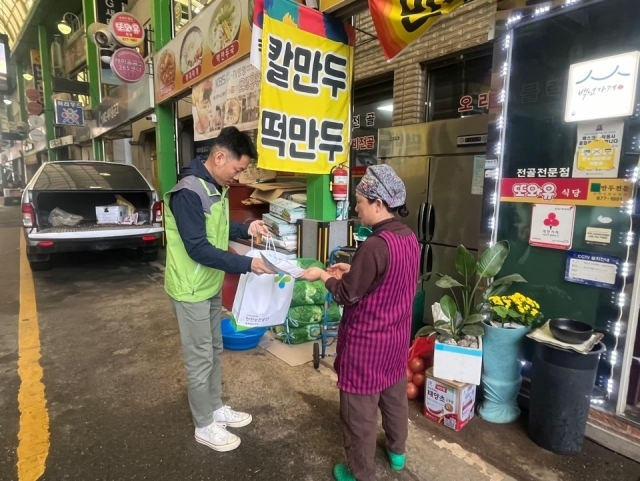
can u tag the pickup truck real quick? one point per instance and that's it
(82, 189)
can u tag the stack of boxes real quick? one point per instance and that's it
(282, 222)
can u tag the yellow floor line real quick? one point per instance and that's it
(33, 437)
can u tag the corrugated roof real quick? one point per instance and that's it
(13, 15)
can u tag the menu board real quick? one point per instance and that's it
(219, 36)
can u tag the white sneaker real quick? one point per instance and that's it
(233, 419)
(217, 437)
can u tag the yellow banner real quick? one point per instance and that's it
(305, 96)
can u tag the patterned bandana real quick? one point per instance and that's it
(381, 182)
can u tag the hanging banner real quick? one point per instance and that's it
(399, 23)
(219, 36)
(598, 149)
(305, 97)
(227, 98)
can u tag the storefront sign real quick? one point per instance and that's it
(552, 226)
(35, 106)
(305, 96)
(603, 88)
(126, 103)
(69, 112)
(543, 172)
(61, 142)
(227, 98)
(126, 29)
(219, 36)
(399, 23)
(128, 65)
(594, 192)
(596, 270)
(598, 149)
(470, 103)
(105, 9)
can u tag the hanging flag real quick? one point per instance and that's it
(305, 94)
(256, 34)
(399, 23)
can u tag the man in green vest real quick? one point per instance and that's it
(198, 232)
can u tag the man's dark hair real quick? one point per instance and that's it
(236, 142)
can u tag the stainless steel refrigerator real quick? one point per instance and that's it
(442, 166)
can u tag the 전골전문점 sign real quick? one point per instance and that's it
(305, 97)
(596, 270)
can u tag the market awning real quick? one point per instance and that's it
(13, 15)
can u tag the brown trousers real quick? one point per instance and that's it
(359, 415)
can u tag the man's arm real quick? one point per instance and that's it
(238, 230)
(190, 220)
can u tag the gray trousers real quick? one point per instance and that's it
(201, 338)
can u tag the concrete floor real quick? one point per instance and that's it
(116, 395)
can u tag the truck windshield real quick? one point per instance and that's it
(90, 176)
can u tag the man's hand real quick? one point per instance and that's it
(258, 267)
(257, 228)
(338, 270)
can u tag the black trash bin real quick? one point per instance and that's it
(562, 382)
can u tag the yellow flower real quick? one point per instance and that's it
(534, 312)
(520, 310)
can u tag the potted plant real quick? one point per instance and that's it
(508, 320)
(458, 319)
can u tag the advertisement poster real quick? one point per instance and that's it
(593, 192)
(552, 226)
(227, 98)
(603, 88)
(219, 36)
(399, 23)
(596, 270)
(598, 149)
(305, 96)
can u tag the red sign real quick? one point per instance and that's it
(128, 65)
(126, 29)
(367, 142)
(34, 95)
(34, 108)
(225, 54)
(466, 102)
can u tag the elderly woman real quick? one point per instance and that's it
(377, 290)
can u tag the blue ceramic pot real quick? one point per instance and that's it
(501, 373)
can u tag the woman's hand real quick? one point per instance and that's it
(338, 270)
(312, 274)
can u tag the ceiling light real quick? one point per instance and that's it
(7, 101)
(386, 108)
(69, 23)
(28, 76)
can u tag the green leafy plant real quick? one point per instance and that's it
(463, 315)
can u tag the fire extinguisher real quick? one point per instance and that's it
(340, 182)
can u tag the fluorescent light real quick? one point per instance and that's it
(64, 27)
(386, 108)
(7, 101)
(27, 76)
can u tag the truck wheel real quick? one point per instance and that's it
(40, 265)
(149, 256)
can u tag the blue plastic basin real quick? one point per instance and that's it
(240, 341)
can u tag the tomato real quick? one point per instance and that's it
(409, 374)
(412, 391)
(417, 365)
(418, 379)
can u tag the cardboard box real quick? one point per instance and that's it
(254, 174)
(287, 210)
(111, 214)
(269, 192)
(460, 364)
(279, 226)
(448, 402)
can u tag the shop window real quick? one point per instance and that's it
(459, 89)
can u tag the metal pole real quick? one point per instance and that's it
(21, 97)
(47, 89)
(93, 67)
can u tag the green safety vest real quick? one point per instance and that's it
(185, 280)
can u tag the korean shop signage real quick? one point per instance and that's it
(567, 191)
(126, 103)
(219, 36)
(128, 65)
(399, 23)
(305, 96)
(126, 30)
(603, 88)
(69, 112)
(35, 104)
(107, 9)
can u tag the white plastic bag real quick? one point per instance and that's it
(263, 301)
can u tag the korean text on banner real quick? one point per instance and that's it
(399, 23)
(226, 98)
(305, 97)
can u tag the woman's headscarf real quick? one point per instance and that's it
(381, 182)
